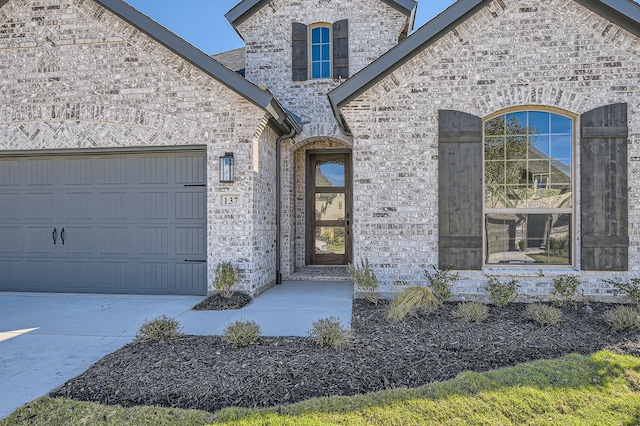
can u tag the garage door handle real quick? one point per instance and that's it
(62, 236)
(54, 235)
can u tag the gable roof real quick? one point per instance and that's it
(246, 8)
(624, 13)
(282, 121)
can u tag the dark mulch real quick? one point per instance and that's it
(217, 302)
(205, 373)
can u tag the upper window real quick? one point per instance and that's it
(321, 52)
(528, 187)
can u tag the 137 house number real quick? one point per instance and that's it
(230, 200)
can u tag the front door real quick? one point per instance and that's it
(329, 208)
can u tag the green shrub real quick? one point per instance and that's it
(543, 314)
(471, 312)
(242, 333)
(565, 290)
(159, 329)
(226, 277)
(501, 294)
(630, 288)
(441, 282)
(623, 318)
(329, 332)
(412, 300)
(365, 280)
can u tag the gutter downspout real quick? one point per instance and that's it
(279, 201)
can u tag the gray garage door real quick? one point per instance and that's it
(128, 223)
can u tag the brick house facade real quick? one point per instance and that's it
(351, 140)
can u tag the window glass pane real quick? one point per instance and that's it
(495, 196)
(315, 35)
(517, 196)
(325, 35)
(539, 122)
(515, 172)
(517, 123)
(330, 240)
(315, 70)
(560, 124)
(517, 147)
(326, 70)
(330, 206)
(494, 148)
(326, 52)
(315, 53)
(561, 147)
(528, 239)
(494, 127)
(330, 173)
(540, 147)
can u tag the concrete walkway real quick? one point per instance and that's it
(47, 339)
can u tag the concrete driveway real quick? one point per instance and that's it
(47, 339)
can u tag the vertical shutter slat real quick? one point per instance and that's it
(299, 52)
(341, 49)
(603, 189)
(459, 190)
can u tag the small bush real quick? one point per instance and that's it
(226, 277)
(501, 294)
(412, 300)
(159, 329)
(630, 288)
(623, 318)
(471, 312)
(441, 283)
(329, 332)
(543, 314)
(565, 290)
(242, 333)
(365, 280)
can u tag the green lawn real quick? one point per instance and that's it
(600, 389)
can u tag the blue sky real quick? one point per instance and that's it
(202, 22)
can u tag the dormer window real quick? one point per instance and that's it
(320, 51)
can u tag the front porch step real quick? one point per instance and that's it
(321, 273)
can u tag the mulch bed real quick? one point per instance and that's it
(217, 302)
(202, 372)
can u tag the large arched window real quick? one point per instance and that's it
(528, 189)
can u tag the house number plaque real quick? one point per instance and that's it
(230, 200)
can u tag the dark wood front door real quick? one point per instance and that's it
(329, 208)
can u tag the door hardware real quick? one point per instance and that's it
(62, 236)
(54, 235)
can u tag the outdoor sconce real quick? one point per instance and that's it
(226, 167)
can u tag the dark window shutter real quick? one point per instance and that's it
(603, 189)
(459, 190)
(299, 52)
(341, 49)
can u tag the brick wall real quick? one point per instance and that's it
(511, 53)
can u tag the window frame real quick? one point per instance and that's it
(316, 26)
(573, 210)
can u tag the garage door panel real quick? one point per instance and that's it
(154, 170)
(113, 275)
(154, 241)
(154, 276)
(190, 276)
(112, 171)
(190, 241)
(154, 205)
(40, 275)
(40, 172)
(40, 205)
(41, 240)
(78, 205)
(190, 205)
(11, 242)
(114, 240)
(10, 206)
(79, 275)
(78, 240)
(79, 172)
(9, 173)
(190, 170)
(112, 205)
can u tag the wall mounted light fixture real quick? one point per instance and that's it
(226, 167)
